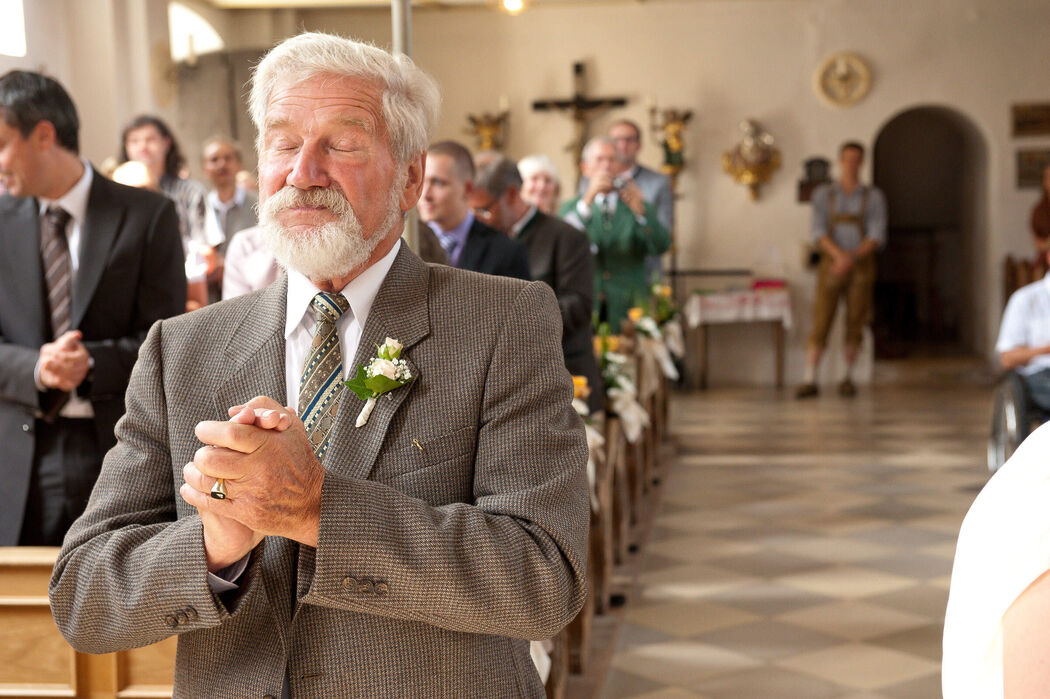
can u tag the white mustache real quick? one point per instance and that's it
(289, 197)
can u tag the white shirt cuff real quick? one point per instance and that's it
(583, 211)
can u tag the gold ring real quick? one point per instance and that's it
(218, 489)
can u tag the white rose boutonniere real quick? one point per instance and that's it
(382, 374)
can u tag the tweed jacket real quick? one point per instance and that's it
(453, 524)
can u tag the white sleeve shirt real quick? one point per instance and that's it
(1026, 323)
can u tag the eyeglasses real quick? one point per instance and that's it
(486, 212)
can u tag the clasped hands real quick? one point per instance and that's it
(273, 481)
(64, 363)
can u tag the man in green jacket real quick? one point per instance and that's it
(623, 230)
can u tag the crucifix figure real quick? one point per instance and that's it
(580, 106)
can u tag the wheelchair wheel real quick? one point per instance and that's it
(1012, 415)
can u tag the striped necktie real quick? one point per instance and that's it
(322, 381)
(58, 269)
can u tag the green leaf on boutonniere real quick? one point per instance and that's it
(380, 384)
(359, 384)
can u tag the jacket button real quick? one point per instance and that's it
(382, 589)
(182, 616)
(25, 427)
(192, 613)
(268, 696)
(350, 584)
(367, 587)
(171, 621)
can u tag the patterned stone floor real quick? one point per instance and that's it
(803, 549)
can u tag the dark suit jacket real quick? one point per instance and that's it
(560, 255)
(453, 524)
(130, 275)
(490, 252)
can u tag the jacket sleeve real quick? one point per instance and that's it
(513, 561)
(129, 574)
(574, 280)
(161, 293)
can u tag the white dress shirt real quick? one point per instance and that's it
(1003, 547)
(300, 322)
(1026, 323)
(75, 202)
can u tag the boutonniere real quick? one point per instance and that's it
(383, 373)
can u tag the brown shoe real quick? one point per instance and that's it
(807, 390)
(847, 389)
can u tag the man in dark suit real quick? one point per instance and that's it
(558, 254)
(469, 243)
(86, 267)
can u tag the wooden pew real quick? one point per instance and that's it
(35, 661)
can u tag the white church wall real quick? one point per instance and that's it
(728, 60)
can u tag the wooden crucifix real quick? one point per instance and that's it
(580, 108)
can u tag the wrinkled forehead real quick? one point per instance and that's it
(327, 95)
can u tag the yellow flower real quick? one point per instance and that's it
(612, 343)
(665, 291)
(635, 314)
(579, 387)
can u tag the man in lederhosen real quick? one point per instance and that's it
(849, 225)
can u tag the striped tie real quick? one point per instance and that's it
(58, 269)
(322, 381)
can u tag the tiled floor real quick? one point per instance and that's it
(803, 549)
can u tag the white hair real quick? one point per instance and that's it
(532, 164)
(410, 97)
(592, 145)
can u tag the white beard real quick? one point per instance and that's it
(331, 250)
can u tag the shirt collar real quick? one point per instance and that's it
(519, 226)
(360, 292)
(74, 201)
(216, 203)
(458, 232)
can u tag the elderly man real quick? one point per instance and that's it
(558, 254)
(623, 229)
(849, 226)
(87, 266)
(405, 548)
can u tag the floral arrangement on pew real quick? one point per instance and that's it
(595, 440)
(668, 316)
(651, 348)
(618, 372)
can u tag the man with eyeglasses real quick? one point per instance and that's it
(559, 255)
(468, 242)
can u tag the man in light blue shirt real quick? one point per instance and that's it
(849, 225)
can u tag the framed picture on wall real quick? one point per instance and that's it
(1031, 119)
(1030, 165)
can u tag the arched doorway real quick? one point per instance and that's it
(930, 161)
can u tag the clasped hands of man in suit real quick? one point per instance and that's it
(272, 476)
(64, 363)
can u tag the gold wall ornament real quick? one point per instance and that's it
(489, 130)
(668, 129)
(842, 79)
(754, 159)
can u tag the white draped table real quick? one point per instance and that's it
(772, 306)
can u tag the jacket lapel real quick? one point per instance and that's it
(101, 225)
(255, 356)
(399, 311)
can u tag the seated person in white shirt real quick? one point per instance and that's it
(1024, 339)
